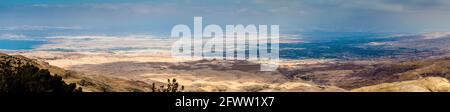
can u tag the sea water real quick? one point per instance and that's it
(317, 45)
(6, 44)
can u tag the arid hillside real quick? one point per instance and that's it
(203, 75)
(87, 83)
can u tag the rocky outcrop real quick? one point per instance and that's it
(428, 84)
(87, 83)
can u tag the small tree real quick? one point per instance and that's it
(172, 86)
(29, 78)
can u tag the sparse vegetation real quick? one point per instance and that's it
(172, 86)
(22, 76)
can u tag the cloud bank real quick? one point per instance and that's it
(291, 15)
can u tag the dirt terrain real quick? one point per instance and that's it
(112, 72)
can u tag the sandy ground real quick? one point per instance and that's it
(135, 59)
(196, 75)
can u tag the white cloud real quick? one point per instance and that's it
(11, 36)
(31, 27)
(49, 5)
(279, 9)
(101, 43)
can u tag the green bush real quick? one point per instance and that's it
(29, 78)
(172, 86)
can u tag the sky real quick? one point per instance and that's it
(159, 16)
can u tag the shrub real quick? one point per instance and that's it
(172, 86)
(29, 78)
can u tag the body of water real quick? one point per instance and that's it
(311, 46)
(19, 44)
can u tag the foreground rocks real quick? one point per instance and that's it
(428, 84)
(91, 83)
